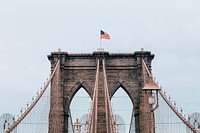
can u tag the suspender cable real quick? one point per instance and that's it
(108, 101)
(16, 123)
(93, 112)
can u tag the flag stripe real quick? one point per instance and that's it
(104, 35)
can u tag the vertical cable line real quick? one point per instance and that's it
(168, 103)
(177, 113)
(71, 122)
(16, 123)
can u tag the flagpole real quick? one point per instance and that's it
(100, 41)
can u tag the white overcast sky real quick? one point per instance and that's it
(31, 29)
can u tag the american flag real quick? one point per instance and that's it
(104, 35)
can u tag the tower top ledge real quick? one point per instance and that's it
(102, 53)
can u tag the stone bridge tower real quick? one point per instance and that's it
(78, 71)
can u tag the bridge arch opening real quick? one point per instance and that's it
(122, 105)
(80, 106)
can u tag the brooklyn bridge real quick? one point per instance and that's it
(101, 74)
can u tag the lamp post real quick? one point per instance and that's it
(150, 91)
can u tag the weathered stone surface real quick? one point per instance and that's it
(78, 70)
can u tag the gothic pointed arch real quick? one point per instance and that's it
(77, 71)
(77, 86)
(125, 87)
(123, 106)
